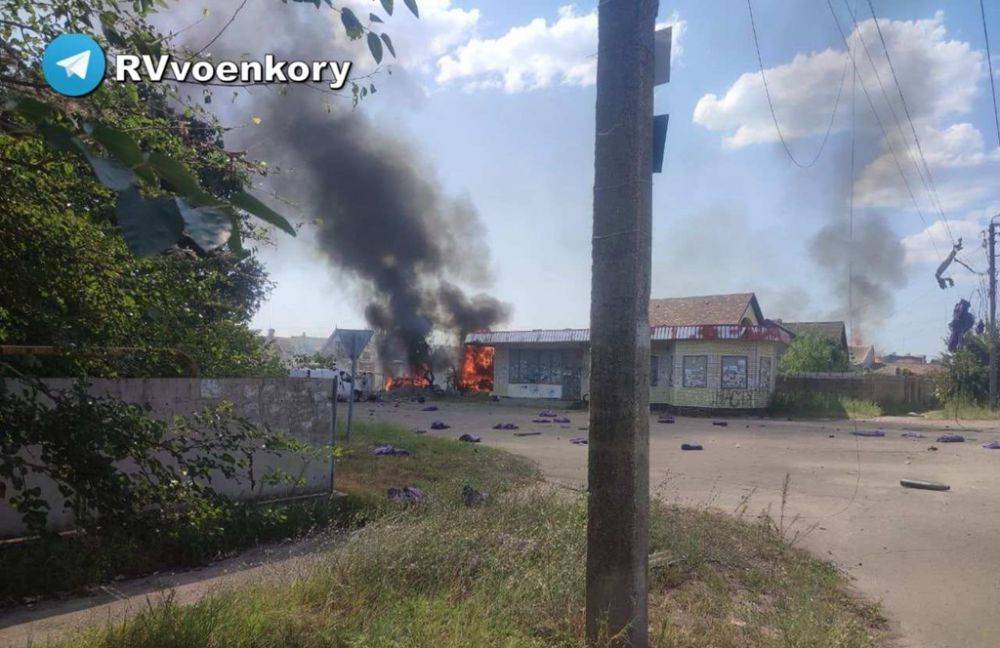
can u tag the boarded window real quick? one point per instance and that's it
(734, 372)
(654, 370)
(696, 371)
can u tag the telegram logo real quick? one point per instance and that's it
(74, 64)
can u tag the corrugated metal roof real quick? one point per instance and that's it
(707, 332)
(538, 336)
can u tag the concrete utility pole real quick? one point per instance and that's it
(991, 244)
(618, 463)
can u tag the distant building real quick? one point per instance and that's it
(904, 358)
(862, 357)
(298, 345)
(712, 352)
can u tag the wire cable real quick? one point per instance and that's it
(989, 63)
(770, 101)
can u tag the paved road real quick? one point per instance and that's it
(931, 558)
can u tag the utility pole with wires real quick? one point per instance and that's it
(991, 241)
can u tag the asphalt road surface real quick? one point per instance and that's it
(931, 558)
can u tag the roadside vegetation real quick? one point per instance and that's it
(819, 405)
(810, 353)
(509, 572)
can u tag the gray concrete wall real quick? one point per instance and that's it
(299, 407)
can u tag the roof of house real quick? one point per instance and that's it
(859, 353)
(296, 345)
(709, 309)
(767, 333)
(835, 331)
(341, 341)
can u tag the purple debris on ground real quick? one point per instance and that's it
(421, 399)
(691, 446)
(524, 434)
(439, 425)
(720, 423)
(469, 438)
(992, 445)
(508, 426)
(406, 495)
(390, 451)
(951, 438)
(420, 431)
(667, 419)
(578, 440)
(430, 408)
(912, 435)
(540, 421)
(561, 419)
(868, 433)
(546, 414)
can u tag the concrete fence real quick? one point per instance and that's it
(301, 408)
(888, 391)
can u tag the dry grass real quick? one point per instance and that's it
(511, 573)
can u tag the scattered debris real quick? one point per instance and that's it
(439, 425)
(691, 446)
(661, 559)
(912, 435)
(538, 420)
(831, 436)
(947, 282)
(469, 438)
(390, 451)
(992, 445)
(561, 419)
(669, 420)
(932, 449)
(720, 423)
(406, 495)
(472, 497)
(522, 434)
(868, 433)
(505, 426)
(421, 399)
(430, 408)
(578, 440)
(923, 485)
(546, 414)
(420, 431)
(951, 438)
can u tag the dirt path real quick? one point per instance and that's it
(57, 618)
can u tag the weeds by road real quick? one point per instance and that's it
(511, 572)
(818, 405)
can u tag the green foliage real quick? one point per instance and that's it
(966, 377)
(821, 405)
(117, 468)
(812, 353)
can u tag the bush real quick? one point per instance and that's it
(813, 354)
(820, 405)
(966, 378)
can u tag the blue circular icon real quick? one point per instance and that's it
(74, 64)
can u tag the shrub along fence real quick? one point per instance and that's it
(891, 392)
(300, 409)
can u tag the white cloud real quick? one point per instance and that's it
(536, 55)
(931, 244)
(939, 77)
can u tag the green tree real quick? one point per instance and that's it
(966, 377)
(812, 353)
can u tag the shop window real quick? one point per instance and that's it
(695, 371)
(654, 370)
(734, 372)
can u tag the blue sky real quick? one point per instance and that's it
(497, 97)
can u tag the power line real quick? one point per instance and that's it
(885, 134)
(770, 101)
(929, 183)
(989, 63)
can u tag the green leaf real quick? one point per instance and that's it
(208, 227)
(32, 109)
(118, 143)
(111, 174)
(245, 201)
(388, 44)
(375, 46)
(412, 6)
(148, 226)
(178, 176)
(387, 5)
(375, 19)
(351, 24)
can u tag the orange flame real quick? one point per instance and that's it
(477, 369)
(419, 379)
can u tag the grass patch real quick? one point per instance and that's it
(510, 573)
(963, 411)
(820, 405)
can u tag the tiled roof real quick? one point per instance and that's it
(835, 331)
(769, 333)
(696, 311)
